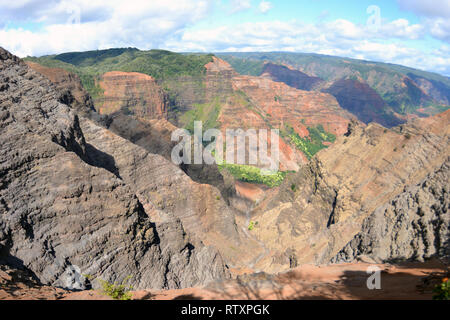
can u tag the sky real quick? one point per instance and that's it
(414, 33)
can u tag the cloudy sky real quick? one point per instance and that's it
(415, 33)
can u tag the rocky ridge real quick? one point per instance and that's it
(321, 208)
(65, 209)
(132, 93)
(415, 225)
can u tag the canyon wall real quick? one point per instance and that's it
(69, 208)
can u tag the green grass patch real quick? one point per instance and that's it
(313, 143)
(207, 113)
(252, 225)
(252, 174)
(117, 291)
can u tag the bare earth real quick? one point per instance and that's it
(411, 281)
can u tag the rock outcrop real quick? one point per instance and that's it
(70, 86)
(132, 93)
(71, 206)
(285, 104)
(415, 225)
(318, 211)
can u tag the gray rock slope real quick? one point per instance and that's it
(65, 210)
(413, 226)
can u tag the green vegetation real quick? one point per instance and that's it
(313, 143)
(293, 187)
(386, 79)
(244, 66)
(160, 64)
(252, 225)
(117, 291)
(254, 175)
(207, 113)
(442, 290)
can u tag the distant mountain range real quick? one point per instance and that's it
(405, 90)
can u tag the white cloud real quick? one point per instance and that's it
(435, 16)
(439, 28)
(155, 24)
(339, 37)
(113, 23)
(240, 5)
(265, 6)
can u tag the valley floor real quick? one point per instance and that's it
(409, 281)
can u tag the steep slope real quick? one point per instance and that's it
(132, 93)
(193, 94)
(282, 104)
(291, 77)
(165, 190)
(405, 90)
(414, 225)
(69, 84)
(321, 208)
(66, 210)
(260, 103)
(364, 102)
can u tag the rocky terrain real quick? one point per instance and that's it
(87, 196)
(67, 208)
(132, 93)
(320, 209)
(408, 281)
(73, 92)
(413, 226)
(404, 90)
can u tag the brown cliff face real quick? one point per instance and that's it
(77, 199)
(132, 93)
(284, 104)
(293, 78)
(69, 84)
(260, 103)
(364, 102)
(343, 185)
(218, 78)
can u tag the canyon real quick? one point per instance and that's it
(88, 190)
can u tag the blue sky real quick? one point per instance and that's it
(415, 33)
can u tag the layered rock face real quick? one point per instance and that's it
(70, 207)
(69, 84)
(218, 79)
(293, 78)
(364, 102)
(413, 226)
(132, 93)
(261, 103)
(321, 209)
